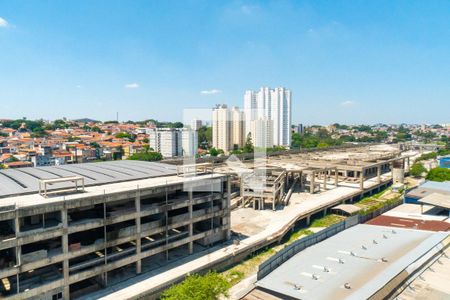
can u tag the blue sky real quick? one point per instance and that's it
(345, 61)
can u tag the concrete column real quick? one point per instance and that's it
(361, 180)
(241, 184)
(336, 178)
(379, 174)
(325, 176)
(308, 220)
(18, 247)
(312, 183)
(138, 230)
(65, 248)
(300, 180)
(227, 208)
(274, 194)
(190, 226)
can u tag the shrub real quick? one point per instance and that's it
(196, 287)
(439, 174)
(417, 170)
(427, 156)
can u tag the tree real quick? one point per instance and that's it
(38, 132)
(125, 135)
(215, 152)
(364, 128)
(176, 125)
(195, 287)
(96, 129)
(417, 170)
(13, 159)
(443, 152)
(146, 156)
(439, 174)
(60, 124)
(248, 147)
(95, 145)
(204, 137)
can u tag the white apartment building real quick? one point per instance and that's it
(237, 127)
(171, 142)
(228, 128)
(189, 142)
(273, 104)
(166, 141)
(261, 131)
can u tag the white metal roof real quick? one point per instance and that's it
(436, 199)
(362, 267)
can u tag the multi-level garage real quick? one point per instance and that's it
(128, 218)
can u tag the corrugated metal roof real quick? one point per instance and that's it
(25, 180)
(317, 273)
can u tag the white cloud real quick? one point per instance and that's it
(3, 22)
(348, 103)
(79, 86)
(133, 85)
(211, 92)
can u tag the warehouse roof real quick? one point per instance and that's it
(436, 199)
(25, 180)
(443, 186)
(364, 258)
(428, 188)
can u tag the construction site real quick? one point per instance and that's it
(266, 182)
(99, 230)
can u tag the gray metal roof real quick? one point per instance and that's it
(436, 199)
(444, 186)
(25, 180)
(363, 270)
(428, 188)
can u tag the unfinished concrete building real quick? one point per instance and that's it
(314, 171)
(264, 185)
(129, 218)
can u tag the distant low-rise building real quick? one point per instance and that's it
(167, 141)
